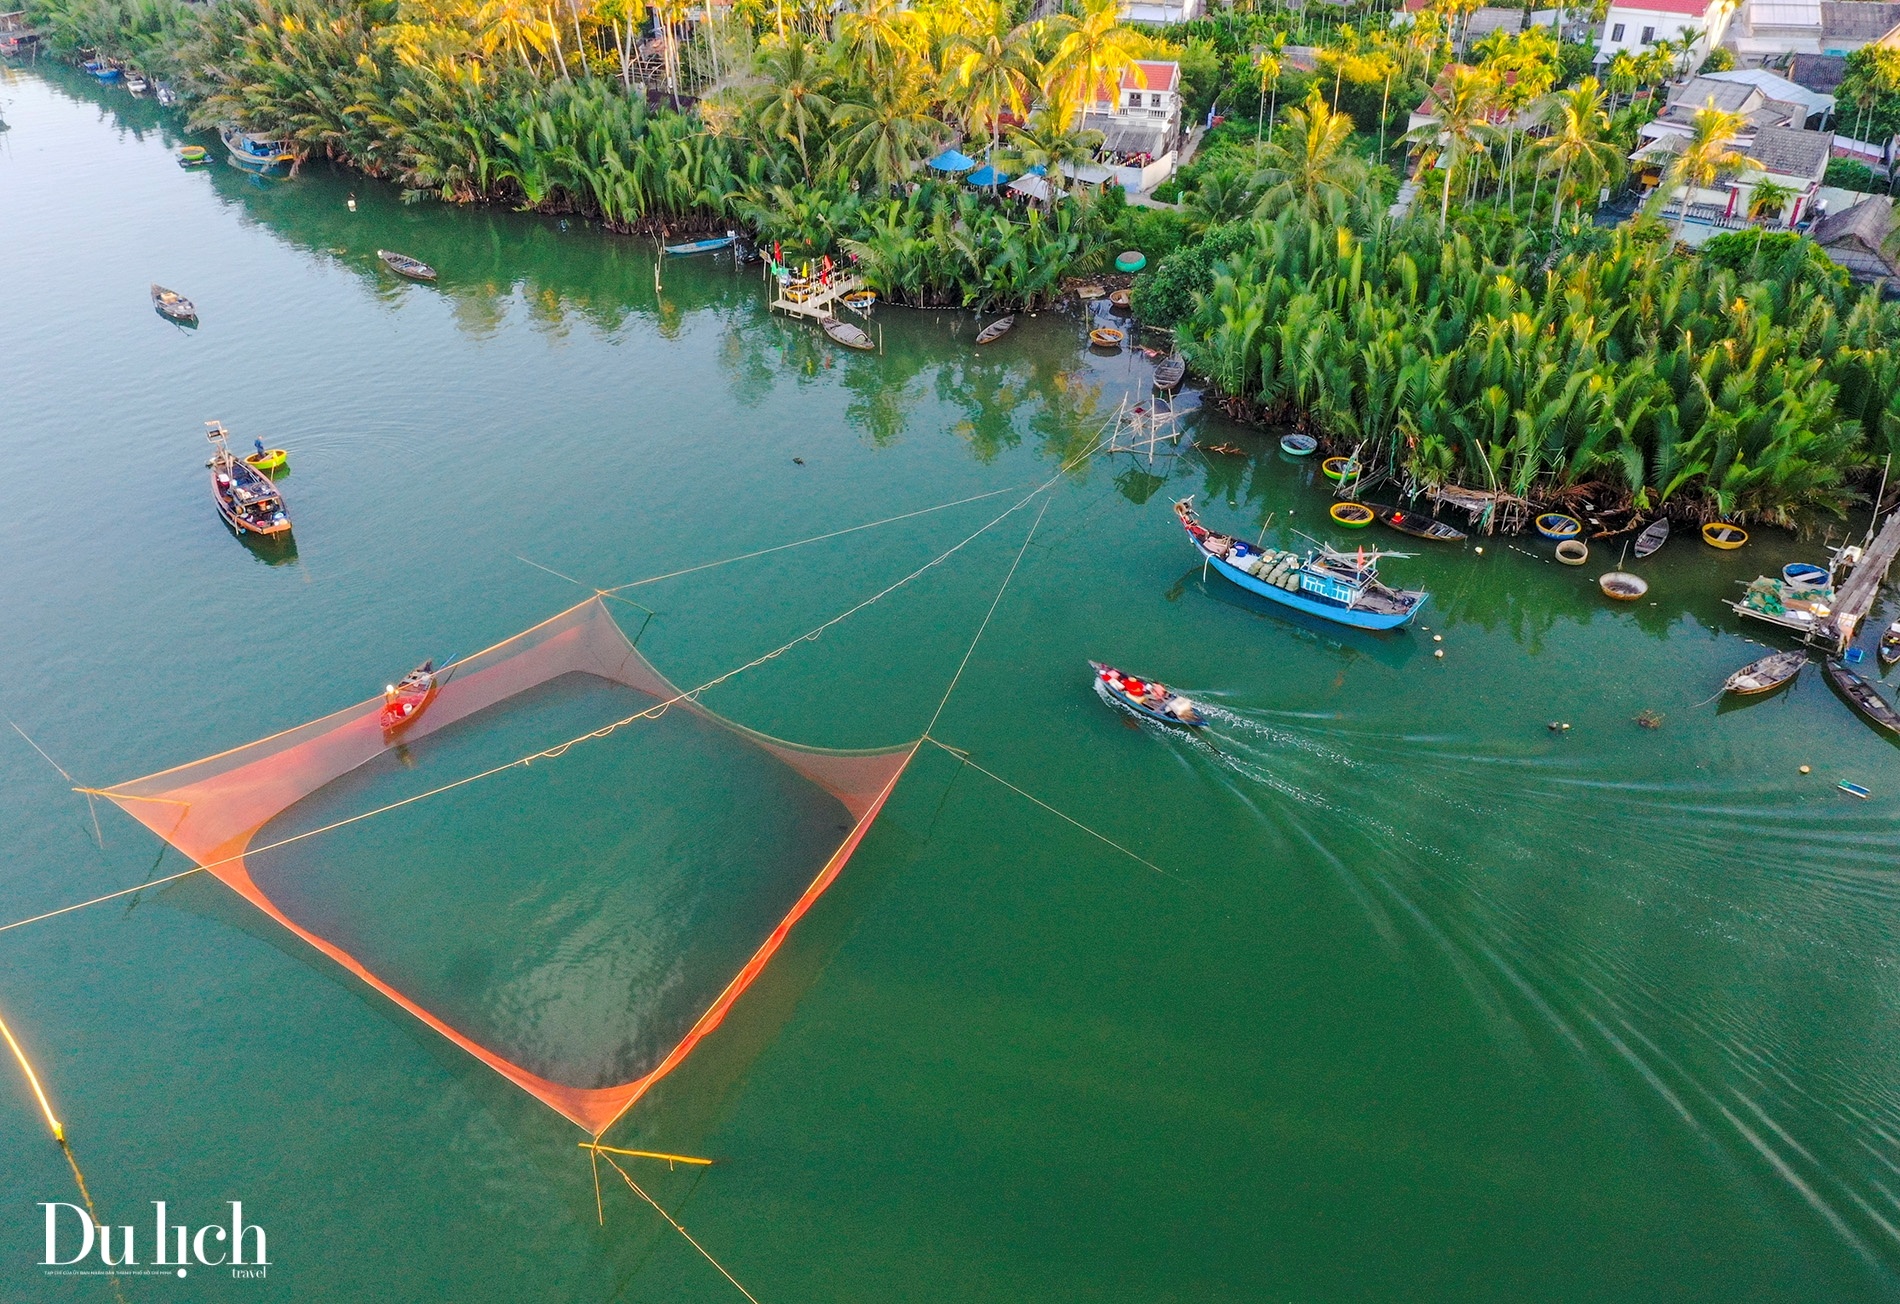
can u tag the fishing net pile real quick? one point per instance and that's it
(226, 811)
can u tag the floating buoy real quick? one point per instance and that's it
(1479, 550)
(1807, 769)
(1439, 652)
(1438, 638)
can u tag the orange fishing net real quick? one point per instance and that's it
(212, 810)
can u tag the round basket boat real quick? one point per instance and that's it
(1131, 260)
(1354, 516)
(1573, 552)
(1555, 525)
(1804, 575)
(860, 298)
(1298, 445)
(1720, 534)
(192, 155)
(1338, 468)
(1121, 298)
(271, 459)
(1106, 337)
(1622, 586)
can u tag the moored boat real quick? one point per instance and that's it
(193, 156)
(1106, 337)
(1555, 525)
(1805, 575)
(1146, 698)
(701, 246)
(1170, 372)
(254, 151)
(1765, 673)
(1720, 534)
(1354, 516)
(843, 332)
(403, 265)
(1622, 585)
(268, 459)
(1654, 536)
(173, 306)
(1418, 525)
(1336, 586)
(1298, 445)
(1890, 644)
(408, 698)
(106, 70)
(996, 330)
(1573, 552)
(245, 497)
(1863, 697)
(135, 82)
(859, 300)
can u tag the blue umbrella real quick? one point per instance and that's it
(987, 176)
(951, 161)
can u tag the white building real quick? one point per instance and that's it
(1634, 26)
(1162, 12)
(1140, 122)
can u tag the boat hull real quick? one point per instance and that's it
(1860, 695)
(700, 246)
(1352, 616)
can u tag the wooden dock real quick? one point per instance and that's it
(1855, 598)
(821, 302)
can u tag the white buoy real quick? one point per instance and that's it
(1439, 652)
(1480, 550)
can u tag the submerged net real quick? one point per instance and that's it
(214, 809)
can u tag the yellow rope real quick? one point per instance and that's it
(33, 1080)
(643, 1154)
(635, 1187)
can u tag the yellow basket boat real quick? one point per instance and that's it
(271, 459)
(1720, 534)
(1339, 468)
(1354, 516)
(1106, 337)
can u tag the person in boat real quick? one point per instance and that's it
(260, 446)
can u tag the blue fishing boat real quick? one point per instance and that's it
(256, 152)
(106, 70)
(701, 246)
(1336, 586)
(1145, 697)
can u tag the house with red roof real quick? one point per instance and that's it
(1140, 121)
(1634, 27)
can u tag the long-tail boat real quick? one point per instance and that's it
(403, 265)
(1419, 525)
(1765, 673)
(1146, 698)
(245, 496)
(1863, 697)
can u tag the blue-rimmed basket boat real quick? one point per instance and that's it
(1555, 525)
(1298, 445)
(1155, 701)
(1336, 586)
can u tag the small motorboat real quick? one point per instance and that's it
(1890, 644)
(403, 265)
(1654, 536)
(245, 497)
(408, 698)
(1339, 468)
(1555, 525)
(136, 83)
(106, 70)
(1622, 586)
(165, 95)
(1863, 697)
(1805, 575)
(1170, 372)
(843, 332)
(173, 306)
(255, 151)
(1765, 673)
(1106, 337)
(1146, 698)
(193, 156)
(701, 246)
(996, 330)
(1298, 445)
(1417, 525)
(1573, 552)
(1720, 534)
(1354, 516)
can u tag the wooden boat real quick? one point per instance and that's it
(1354, 516)
(1890, 644)
(1146, 698)
(1419, 526)
(1854, 790)
(408, 698)
(173, 306)
(701, 246)
(165, 95)
(1863, 697)
(1106, 337)
(996, 330)
(256, 152)
(1298, 445)
(1573, 552)
(270, 459)
(1555, 525)
(1339, 468)
(843, 332)
(1720, 534)
(193, 156)
(1170, 372)
(1622, 586)
(1765, 673)
(1805, 575)
(1337, 586)
(1654, 536)
(245, 497)
(403, 265)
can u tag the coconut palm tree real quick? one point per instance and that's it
(877, 36)
(1094, 48)
(794, 106)
(1766, 199)
(1046, 141)
(1579, 144)
(990, 64)
(884, 133)
(1706, 158)
(1310, 165)
(1461, 130)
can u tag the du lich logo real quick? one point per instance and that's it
(76, 1245)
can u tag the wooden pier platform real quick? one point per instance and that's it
(1855, 598)
(821, 302)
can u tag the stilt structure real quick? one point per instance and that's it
(1855, 596)
(1141, 428)
(819, 301)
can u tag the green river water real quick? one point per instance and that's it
(1427, 1002)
